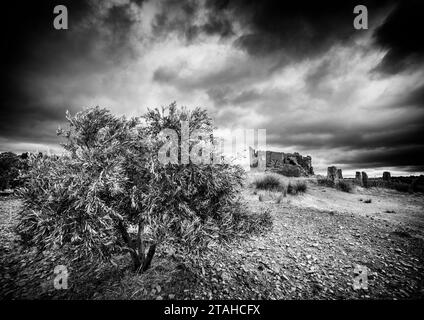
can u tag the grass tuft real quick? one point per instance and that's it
(297, 187)
(268, 182)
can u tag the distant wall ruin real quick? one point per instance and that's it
(334, 174)
(291, 164)
(358, 178)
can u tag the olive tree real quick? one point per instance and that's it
(109, 192)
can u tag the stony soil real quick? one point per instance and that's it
(310, 253)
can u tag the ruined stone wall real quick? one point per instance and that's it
(334, 174)
(285, 161)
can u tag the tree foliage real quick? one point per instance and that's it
(109, 193)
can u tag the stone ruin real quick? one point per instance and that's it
(361, 179)
(331, 173)
(358, 178)
(334, 174)
(292, 164)
(364, 179)
(386, 176)
(257, 159)
(339, 174)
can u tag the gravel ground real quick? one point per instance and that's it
(308, 254)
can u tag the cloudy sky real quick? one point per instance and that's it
(350, 98)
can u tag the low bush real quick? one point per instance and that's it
(401, 186)
(268, 182)
(345, 186)
(296, 187)
(10, 167)
(325, 182)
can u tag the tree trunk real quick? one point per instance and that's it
(137, 248)
(148, 259)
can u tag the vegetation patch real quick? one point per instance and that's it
(110, 195)
(269, 182)
(296, 187)
(325, 182)
(345, 186)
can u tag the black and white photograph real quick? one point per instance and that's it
(212, 150)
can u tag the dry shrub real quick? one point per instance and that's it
(268, 182)
(400, 186)
(345, 186)
(296, 187)
(325, 182)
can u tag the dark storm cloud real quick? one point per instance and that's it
(415, 97)
(176, 16)
(34, 53)
(298, 69)
(408, 157)
(181, 17)
(401, 34)
(302, 29)
(23, 28)
(325, 132)
(392, 142)
(295, 30)
(299, 29)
